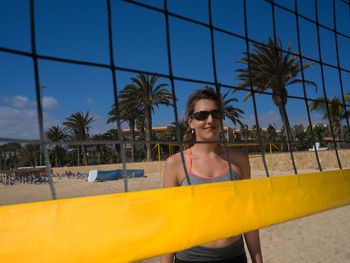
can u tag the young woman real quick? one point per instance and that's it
(207, 163)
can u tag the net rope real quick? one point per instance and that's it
(113, 66)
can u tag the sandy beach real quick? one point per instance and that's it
(323, 237)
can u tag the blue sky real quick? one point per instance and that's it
(78, 30)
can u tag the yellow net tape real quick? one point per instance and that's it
(132, 226)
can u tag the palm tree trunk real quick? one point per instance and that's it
(336, 129)
(83, 149)
(60, 156)
(117, 157)
(104, 154)
(286, 125)
(336, 132)
(132, 139)
(56, 156)
(98, 153)
(148, 131)
(83, 146)
(78, 155)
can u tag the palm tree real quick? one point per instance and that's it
(100, 150)
(112, 134)
(254, 134)
(228, 110)
(79, 123)
(74, 136)
(56, 134)
(244, 133)
(3, 156)
(272, 69)
(183, 126)
(344, 133)
(335, 109)
(140, 123)
(30, 155)
(299, 132)
(319, 132)
(271, 134)
(148, 94)
(347, 98)
(129, 111)
(9, 152)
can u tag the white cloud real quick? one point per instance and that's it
(89, 100)
(100, 125)
(271, 117)
(22, 124)
(50, 103)
(22, 102)
(17, 101)
(303, 119)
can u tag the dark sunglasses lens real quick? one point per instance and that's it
(201, 115)
(215, 114)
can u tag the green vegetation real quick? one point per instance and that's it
(335, 109)
(78, 124)
(57, 134)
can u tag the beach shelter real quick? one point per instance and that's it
(114, 174)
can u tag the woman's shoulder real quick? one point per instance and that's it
(241, 160)
(175, 159)
(172, 172)
(237, 153)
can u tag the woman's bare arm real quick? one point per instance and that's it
(252, 238)
(171, 171)
(170, 179)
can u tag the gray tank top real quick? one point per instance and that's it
(200, 253)
(197, 179)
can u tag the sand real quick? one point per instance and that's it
(323, 237)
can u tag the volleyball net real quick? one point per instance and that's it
(131, 226)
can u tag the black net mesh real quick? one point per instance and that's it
(315, 38)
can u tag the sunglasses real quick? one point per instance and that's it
(203, 115)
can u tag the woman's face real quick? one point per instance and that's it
(207, 129)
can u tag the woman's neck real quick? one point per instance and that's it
(206, 148)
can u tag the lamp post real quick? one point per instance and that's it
(42, 108)
(42, 87)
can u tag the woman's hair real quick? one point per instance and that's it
(199, 94)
